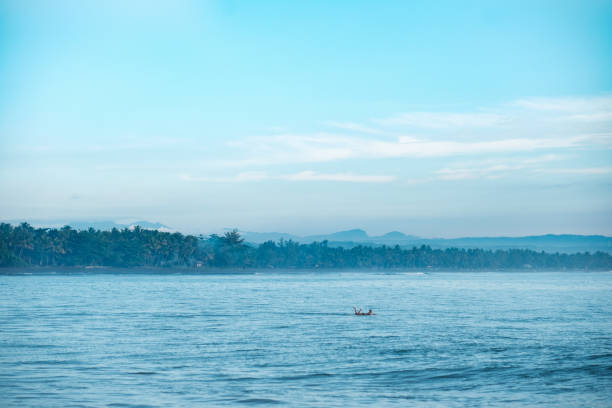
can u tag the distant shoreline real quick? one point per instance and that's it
(183, 270)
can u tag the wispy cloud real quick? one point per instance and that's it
(287, 149)
(593, 109)
(348, 177)
(444, 120)
(596, 109)
(578, 171)
(523, 126)
(493, 135)
(356, 127)
(307, 175)
(526, 125)
(238, 178)
(493, 169)
(571, 105)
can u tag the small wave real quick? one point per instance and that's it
(599, 356)
(397, 351)
(256, 401)
(238, 379)
(30, 346)
(420, 375)
(391, 336)
(589, 369)
(50, 362)
(320, 314)
(143, 373)
(175, 315)
(304, 376)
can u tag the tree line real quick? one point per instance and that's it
(24, 245)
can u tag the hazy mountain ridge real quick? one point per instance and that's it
(565, 243)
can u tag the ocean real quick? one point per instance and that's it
(112, 338)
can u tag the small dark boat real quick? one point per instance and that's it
(360, 313)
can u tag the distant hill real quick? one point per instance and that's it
(356, 235)
(566, 243)
(395, 235)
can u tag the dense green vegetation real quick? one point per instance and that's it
(27, 246)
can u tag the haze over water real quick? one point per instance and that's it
(176, 339)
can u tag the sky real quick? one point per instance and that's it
(433, 118)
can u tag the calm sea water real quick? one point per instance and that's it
(439, 339)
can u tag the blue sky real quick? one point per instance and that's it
(432, 118)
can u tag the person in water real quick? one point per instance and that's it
(360, 313)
